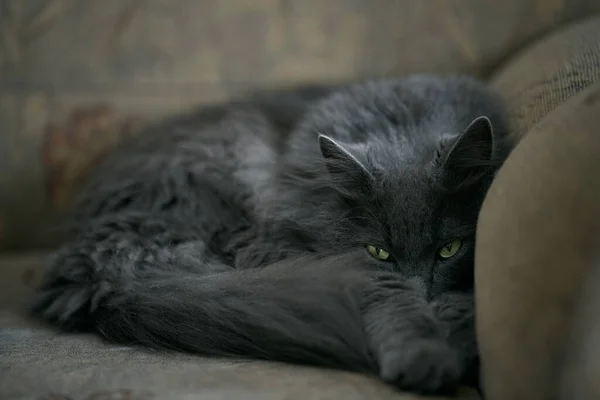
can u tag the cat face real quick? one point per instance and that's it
(415, 217)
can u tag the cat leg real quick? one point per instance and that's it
(407, 338)
(457, 311)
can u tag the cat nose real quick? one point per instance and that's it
(420, 278)
(434, 291)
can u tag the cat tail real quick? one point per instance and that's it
(303, 311)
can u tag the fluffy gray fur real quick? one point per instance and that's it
(240, 230)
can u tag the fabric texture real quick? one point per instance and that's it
(538, 241)
(541, 77)
(539, 229)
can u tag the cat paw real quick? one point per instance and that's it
(424, 367)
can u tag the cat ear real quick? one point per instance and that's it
(472, 152)
(345, 169)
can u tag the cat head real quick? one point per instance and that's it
(418, 218)
(398, 170)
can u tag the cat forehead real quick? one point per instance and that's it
(416, 191)
(411, 184)
(407, 214)
(415, 211)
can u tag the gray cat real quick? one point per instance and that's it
(331, 226)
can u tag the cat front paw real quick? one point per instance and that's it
(425, 366)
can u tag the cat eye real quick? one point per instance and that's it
(379, 253)
(450, 249)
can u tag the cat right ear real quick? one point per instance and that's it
(471, 154)
(346, 171)
(474, 147)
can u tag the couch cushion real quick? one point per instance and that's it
(538, 236)
(581, 368)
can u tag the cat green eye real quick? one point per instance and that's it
(450, 249)
(379, 253)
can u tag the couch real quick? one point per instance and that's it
(77, 78)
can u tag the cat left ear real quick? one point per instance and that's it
(345, 169)
(473, 150)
